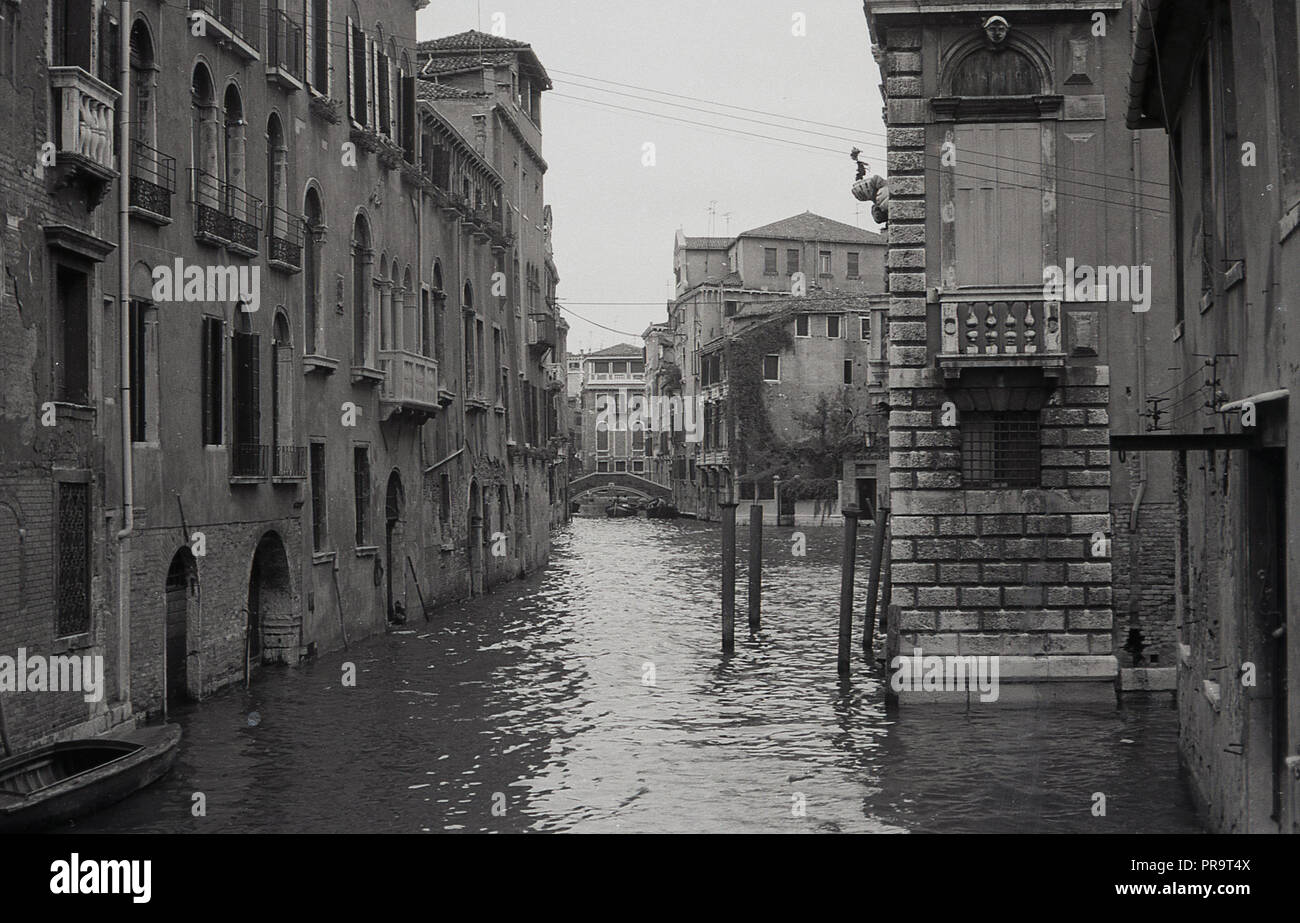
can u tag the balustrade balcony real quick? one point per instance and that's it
(85, 113)
(1000, 333)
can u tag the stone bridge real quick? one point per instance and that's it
(617, 482)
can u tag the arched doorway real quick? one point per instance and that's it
(272, 622)
(182, 585)
(393, 559)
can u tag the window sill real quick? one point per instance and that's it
(364, 373)
(245, 480)
(366, 551)
(1178, 331)
(322, 364)
(151, 217)
(78, 642)
(320, 557)
(1235, 275)
(1207, 301)
(1290, 221)
(281, 480)
(282, 266)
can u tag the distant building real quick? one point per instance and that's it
(1223, 81)
(613, 393)
(804, 286)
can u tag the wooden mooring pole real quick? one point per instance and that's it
(873, 581)
(728, 576)
(755, 567)
(847, 561)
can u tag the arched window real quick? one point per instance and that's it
(233, 140)
(384, 282)
(362, 262)
(311, 277)
(143, 76)
(204, 142)
(277, 169)
(439, 312)
(410, 312)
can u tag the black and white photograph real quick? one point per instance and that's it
(692, 417)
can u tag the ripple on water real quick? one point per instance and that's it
(537, 692)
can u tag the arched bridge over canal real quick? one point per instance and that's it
(617, 482)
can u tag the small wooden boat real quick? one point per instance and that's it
(73, 778)
(620, 510)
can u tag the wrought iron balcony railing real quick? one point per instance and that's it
(249, 460)
(223, 212)
(290, 462)
(284, 236)
(153, 180)
(238, 17)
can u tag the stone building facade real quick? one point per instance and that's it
(332, 414)
(1223, 82)
(1010, 168)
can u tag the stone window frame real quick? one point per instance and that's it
(949, 110)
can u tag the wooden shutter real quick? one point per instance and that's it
(213, 330)
(137, 352)
(410, 118)
(352, 79)
(997, 190)
(248, 388)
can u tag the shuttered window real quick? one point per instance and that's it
(210, 366)
(998, 203)
(361, 484)
(356, 72)
(247, 395)
(409, 118)
(382, 89)
(318, 509)
(320, 46)
(137, 354)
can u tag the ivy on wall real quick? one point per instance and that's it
(832, 427)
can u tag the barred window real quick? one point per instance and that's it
(318, 520)
(73, 559)
(1000, 449)
(361, 482)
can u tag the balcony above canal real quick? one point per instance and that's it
(410, 384)
(84, 131)
(988, 331)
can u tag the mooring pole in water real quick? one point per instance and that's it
(847, 560)
(728, 576)
(891, 650)
(873, 582)
(755, 566)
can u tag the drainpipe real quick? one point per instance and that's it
(1133, 552)
(124, 370)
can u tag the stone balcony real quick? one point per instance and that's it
(85, 114)
(410, 383)
(1000, 330)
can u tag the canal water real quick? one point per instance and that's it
(593, 697)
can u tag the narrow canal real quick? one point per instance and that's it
(532, 709)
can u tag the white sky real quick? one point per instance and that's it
(614, 217)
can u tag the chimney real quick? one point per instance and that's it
(480, 133)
